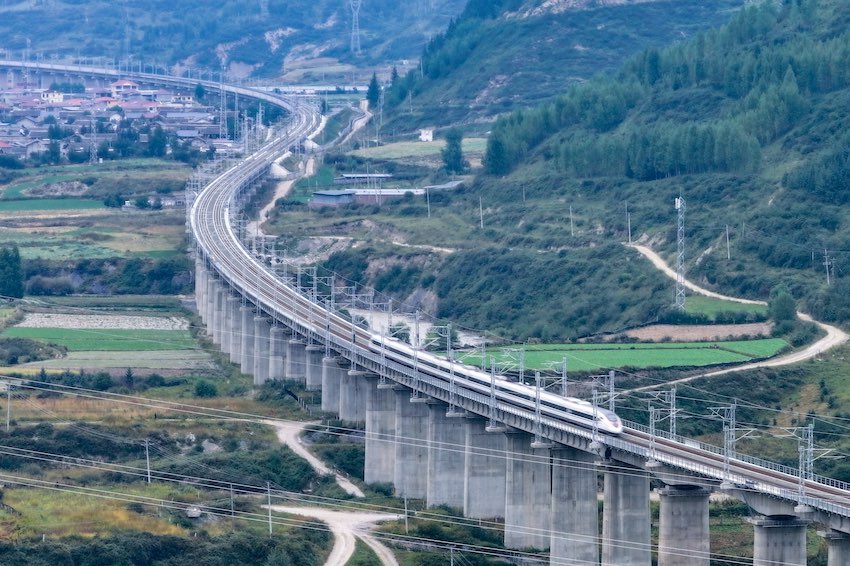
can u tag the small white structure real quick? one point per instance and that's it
(426, 135)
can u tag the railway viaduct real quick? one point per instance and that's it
(434, 438)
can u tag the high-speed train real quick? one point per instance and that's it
(576, 411)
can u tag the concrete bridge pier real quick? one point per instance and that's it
(575, 511)
(246, 350)
(683, 537)
(295, 366)
(220, 324)
(528, 493)
(212, 293)
(625, 516)
(839, 547)
(484, 480)
(313, 367)
(235, 316)
(332, 376)
(779, 540)
(446, 459)
(231, 319)
(278, 336)
(201, 275)
(411, 447)
(262, 334)
(380, 432)
(352, 396)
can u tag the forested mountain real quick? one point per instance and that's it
(503, 54)
(259, 37)
(748, 123)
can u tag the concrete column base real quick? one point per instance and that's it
(262, 331)
(446, 460)
(625, 516)
(332, 375)
(575, 510)
(295, 365)
(352, 397)
(683, 538)
(278, 336)
(246, 361)
(220, 315)
(839, 547)
(486, 466)
(313, 367)
(236, 332)
(528, 494)
(380, 433)
(411, 448)
(231, 323)
(779, 541)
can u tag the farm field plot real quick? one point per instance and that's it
(401, 150)
(709, 306)
(113, 234)
(178, 360)
(108, 338)
(585, 357)
(49, 204)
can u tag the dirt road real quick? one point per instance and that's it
(347, 527)
(834, 336)
(289, 433)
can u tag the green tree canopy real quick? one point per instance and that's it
(373, 94)
(452, 154)
(781, 305)
(11, 274)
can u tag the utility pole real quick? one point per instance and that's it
(629, 222)
(826, 264)
(481, 212)
(269, 492)
(8, 405)
(679, 297)
(148, 459)
(572, 232)
(728, 252)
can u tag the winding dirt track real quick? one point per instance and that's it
(347, 527)
(289, 432)
(834, 336)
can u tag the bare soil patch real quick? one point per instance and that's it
(94, 322)
(685, 333)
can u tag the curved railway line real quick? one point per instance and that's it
(233, 263)
(222, 253)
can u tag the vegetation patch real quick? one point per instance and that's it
(584, 357)
(49, 205)
(107, 339)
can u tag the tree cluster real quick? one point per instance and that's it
(11, 274)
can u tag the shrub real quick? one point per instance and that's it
(205, 389)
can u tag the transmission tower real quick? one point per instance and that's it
(355, 25)
(679, 298)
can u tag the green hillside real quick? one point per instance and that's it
(263, 38)
(501, 54)
(748, 123)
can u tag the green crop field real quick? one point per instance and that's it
(108, 339)
(49, 204)
(710, 306)
(588, 357)
(401, 150)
